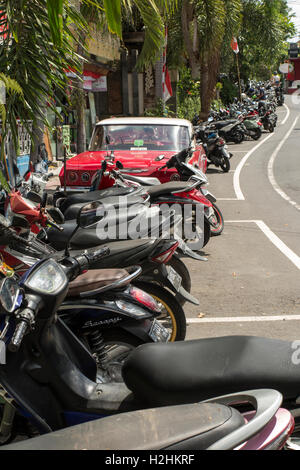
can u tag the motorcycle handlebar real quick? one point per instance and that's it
(78, 264)
(54, 225)
(22, 327)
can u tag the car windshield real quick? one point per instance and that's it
(140, 137)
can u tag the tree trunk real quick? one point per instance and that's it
(209, 71)
(80, 107)
(187, 14)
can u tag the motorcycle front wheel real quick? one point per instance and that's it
(217, 222)
(225, 164)
(256, 134)
(238, 137)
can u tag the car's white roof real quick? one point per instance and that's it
(146, 120)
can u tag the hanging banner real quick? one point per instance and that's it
(100, 84)
(234, 45)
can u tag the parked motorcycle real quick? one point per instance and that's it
(230, 131)
(48, 377)
(215, 147)
(192, 174)
(178, 193)
(214, 425)
(152, 255)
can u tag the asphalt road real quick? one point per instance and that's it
(251, 282)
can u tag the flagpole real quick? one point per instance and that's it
(235, 48)
(239, 76)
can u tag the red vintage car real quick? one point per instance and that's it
(142, 145)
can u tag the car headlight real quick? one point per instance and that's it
(48, 279)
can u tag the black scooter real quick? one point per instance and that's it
(215, 147)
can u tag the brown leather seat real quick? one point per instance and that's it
(95, 279)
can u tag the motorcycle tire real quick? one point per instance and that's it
(225, 164)
(173, 317)
(218, 227)
(182, 270)
(271, 128)
(238, 137)
(206, 233)
(256, 134)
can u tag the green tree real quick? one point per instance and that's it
(266, 27)
(41, 39)
(205, 25)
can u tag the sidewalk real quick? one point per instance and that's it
(54, 182)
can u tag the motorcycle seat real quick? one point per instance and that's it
(187, 427)
(166, 188)
(95, 279)
(94, 196)
(191, 371)
(90, 237)
(115, 202)
(221, 124)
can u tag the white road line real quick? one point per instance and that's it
(251, 319)
(236, 179)
(285, 250)
(287, 115)
(271, 176)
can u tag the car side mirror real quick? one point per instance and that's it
(19, 221)
(119, 165)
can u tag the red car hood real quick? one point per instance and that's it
(130, 159)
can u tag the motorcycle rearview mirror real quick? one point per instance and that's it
(44, 200)
(89, 215)
(10, 294)
(19, 221)
(119, 165)
(34, 197)
(56, 215)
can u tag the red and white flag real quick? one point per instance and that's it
(166, 82)
(235, 46)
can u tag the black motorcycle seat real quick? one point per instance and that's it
(112, 201)
(166, 188)
(90, 237)
(191, 371)
(221, 124)
(124, 253)
(186, 427)
(94, 196)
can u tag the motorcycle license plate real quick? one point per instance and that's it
(174, 277)
(158, 333)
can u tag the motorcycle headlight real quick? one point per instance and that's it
(48, 279)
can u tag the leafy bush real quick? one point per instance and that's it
(159, 110)
(188, 95)
(229, 91)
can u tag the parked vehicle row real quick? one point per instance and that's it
(92, 326)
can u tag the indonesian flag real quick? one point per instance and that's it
(166, 82)
(235, 46)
